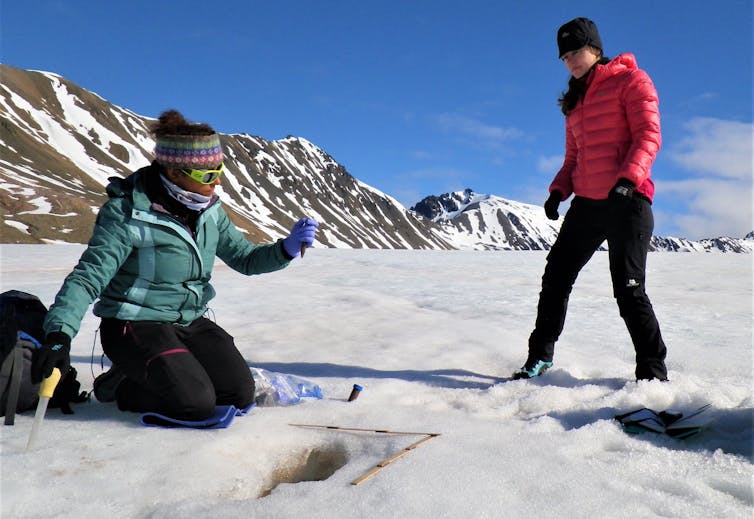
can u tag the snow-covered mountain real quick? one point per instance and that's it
(722, 244)
(487, 222)
(59, 143)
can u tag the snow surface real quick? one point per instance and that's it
(431, 336)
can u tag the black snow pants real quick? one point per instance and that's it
(180, 371)
(628, 231)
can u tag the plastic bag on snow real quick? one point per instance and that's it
(275, 389)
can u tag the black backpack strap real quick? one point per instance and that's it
(6, 371)
(15, 362)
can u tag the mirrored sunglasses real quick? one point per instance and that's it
(205, 176)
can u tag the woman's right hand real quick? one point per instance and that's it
(302, 234)
(54, 353)
(620, 196)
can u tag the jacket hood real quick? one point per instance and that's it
(131, 187)
(120, 187)
(625, 62)
(619, 63)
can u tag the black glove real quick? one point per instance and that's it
(551, 206)
(54, 353)
(67, 392)
(620, 195)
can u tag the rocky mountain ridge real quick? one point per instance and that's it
(489, 222)
(59, 144)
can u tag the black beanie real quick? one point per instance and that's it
(576, 34)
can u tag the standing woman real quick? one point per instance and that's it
(612, 137)
(149, 261)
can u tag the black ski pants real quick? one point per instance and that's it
(628, 230)
(180, 371)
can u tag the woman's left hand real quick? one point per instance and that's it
(620, 196)
(302, 236)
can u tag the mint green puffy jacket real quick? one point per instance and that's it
(145, 266)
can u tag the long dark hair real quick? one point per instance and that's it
(577, 89)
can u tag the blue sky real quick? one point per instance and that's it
(420, 97)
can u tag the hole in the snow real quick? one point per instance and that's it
(315, 464)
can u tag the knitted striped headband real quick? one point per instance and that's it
(189, 151)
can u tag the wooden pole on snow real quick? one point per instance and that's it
(384, 463)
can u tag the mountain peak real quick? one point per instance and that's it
(448, 205)
(477, 221)
(62, 142)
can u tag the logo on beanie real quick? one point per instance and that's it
(189, 151)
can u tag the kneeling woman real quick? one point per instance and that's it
(150, 261)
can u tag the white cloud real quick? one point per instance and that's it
(468, 127)
(718, 198)
(714, 207)
(409, 187)
(717, 147)
(706, 96)
(422, 155)
(550, 164)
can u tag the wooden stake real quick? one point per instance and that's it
(356, 429)
(384, 463)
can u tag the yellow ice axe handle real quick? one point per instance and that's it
(47, 388)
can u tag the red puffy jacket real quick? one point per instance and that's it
(613, 133)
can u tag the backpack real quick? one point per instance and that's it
(21, 333)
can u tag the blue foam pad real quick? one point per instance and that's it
(246, 410)
(220, 419)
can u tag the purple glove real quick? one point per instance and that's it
(302, 236)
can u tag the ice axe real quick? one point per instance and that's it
(46, 389)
